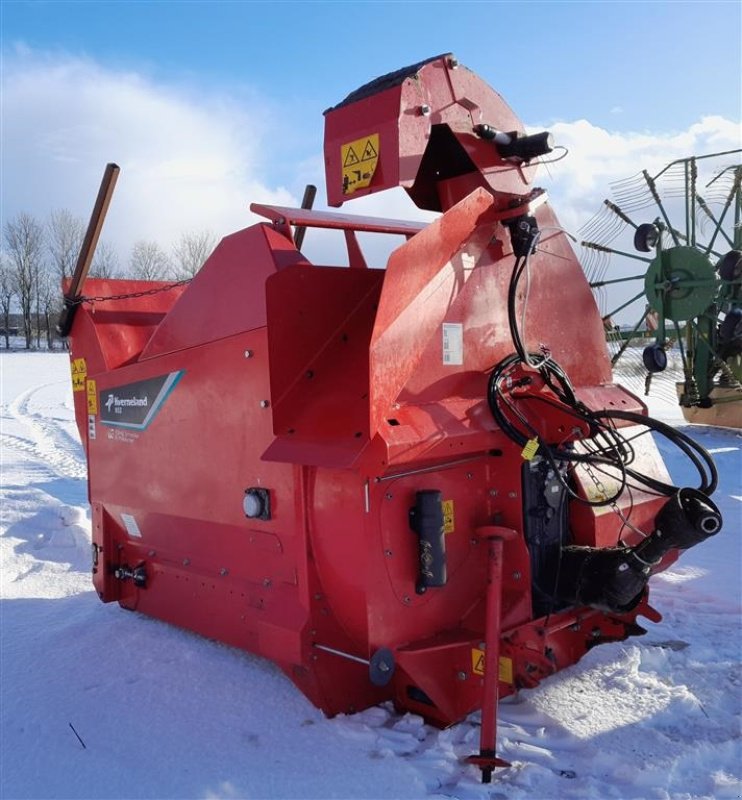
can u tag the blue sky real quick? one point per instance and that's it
(209, 106)
(662, 63)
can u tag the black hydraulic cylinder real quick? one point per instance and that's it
(528, 147)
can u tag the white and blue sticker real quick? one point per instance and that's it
(135, 405)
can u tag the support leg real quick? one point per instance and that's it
(486, 760)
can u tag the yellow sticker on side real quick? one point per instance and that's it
(92, 397)
(505, 673)
(530, 449)
(359, 160)
(448, 521)
(79, 373)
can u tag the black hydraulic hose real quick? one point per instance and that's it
(678, 438)
(615, 452)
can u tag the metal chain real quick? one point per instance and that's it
(599, 485)
(145, 293)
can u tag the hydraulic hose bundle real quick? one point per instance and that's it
(611, 579)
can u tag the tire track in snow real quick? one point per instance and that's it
(62, 454)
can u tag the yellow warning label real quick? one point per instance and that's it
(477, 661)
(79, 374)
(92, 397)
(447, 516)
(359, 159)
(506, 665)
(530, 449)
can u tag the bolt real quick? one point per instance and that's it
(383, 666)
(267, 583)
(453, 62)
(425, 110)
(318, 596)
(473, 541)
(469, 475)
(388, 495)
(248, 354)
(483, 645)
(462, 676)
(151, 553)
(493, 492)
(406, 600)
(388, 553)
(265, 403)
(516, 576)
(186, 562)
(223, 571)
(512, 495)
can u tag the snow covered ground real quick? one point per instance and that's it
(165, 714)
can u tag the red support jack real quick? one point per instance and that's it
(487, 760)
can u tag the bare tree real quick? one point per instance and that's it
(24, 240)
(149, 262)
(64, 238)
(49, 295)
(6, 296)
(105, 261)
(190, 252)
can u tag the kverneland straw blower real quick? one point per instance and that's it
(416, 483)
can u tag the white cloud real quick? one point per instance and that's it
(188, 163)
(598, 157)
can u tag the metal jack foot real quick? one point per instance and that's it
(487, 761)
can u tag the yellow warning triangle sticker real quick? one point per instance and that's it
(350, 158)
(369, 152)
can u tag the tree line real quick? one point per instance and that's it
(37, 255)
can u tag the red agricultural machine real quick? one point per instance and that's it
(416, 483)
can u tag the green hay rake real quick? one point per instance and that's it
(689, 306)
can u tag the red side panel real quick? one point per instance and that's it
(422, 277)
(227, 296)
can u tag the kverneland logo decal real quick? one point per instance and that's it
(135, 405)
(125, 402)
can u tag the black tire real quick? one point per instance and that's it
(646, 237)
(730, 266)
(655, 358)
